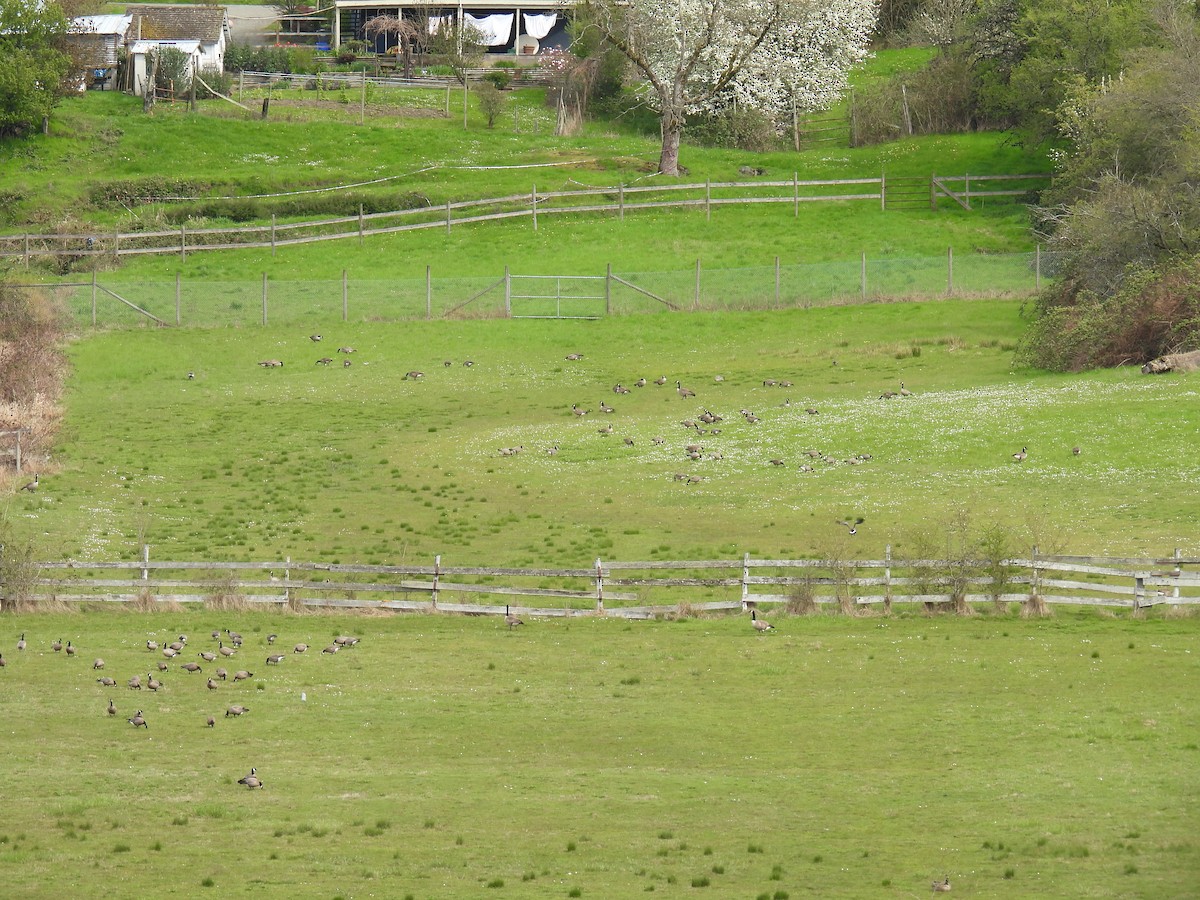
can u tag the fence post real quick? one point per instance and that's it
(145, 562)
(745, 582)
(362, 102)
(608, 289)
(178, 291)
(447, 99)
(1035, 576)
(507, 294)
(599, 586)
(272, 234)
(428, 292)
(183, 242)
(1178, 571)
(620, 202)
(777, 282)
(1139, 592)
(949, 271)
(94, 298)
(967, 188)
(27, 250)
(862, 278)
(707, 200)
(795, 195)
(933, 191)
(360, 224)
(447, 217)
(1037, 268)
(264, 299)
(533, 204)
(437, 574)
(345, 296)
(287, 581)
(696, 299)
(117, 244)
(887, 578)
(882, 189)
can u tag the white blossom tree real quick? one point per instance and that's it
(768, 52)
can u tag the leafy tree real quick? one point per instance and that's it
(33, 64)
(491, 101)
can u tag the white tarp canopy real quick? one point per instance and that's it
(539, 25)
(495, 29)
(436, 23)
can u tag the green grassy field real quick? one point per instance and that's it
(446, 757)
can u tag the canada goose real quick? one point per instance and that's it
(177, 646)
(413, 375)
(191, 376)
(221, 673)
(753, 419)
(579, 412)
(71, 650)
(660, 380)
(769, 382)
(905, 392)
(135, 683)
(225, 651)
(552, 451)
(324, 360)
(574, 357)
(271, 638)
(605, 429)
(236, 710)
(510, 620)
(315, 338)
(2, 662)
(33, 485)
(852, 524)
(252, 780)
(1020, 457)
(658, 441)
(331, 649)
(300, 648)
(785, 384)
(812, 411)
(718, 378)
(56, 646)
(191, 667)
(760, 625)
(345, 350)
(342, 640)
(112, 710)
(641, 382)
(1075, 451)
(447, 363)
(777, 462)
(941, 887)
(620, 389)
(605, 408)
(152, 645)
(98, 663)
(162, 666)
(211, 685)
(207, 656)
(106, 681)
(138, 721)
(272, 364)
(628, 442)
(682, 391)
(864, 456)
(275, 660)
(210, 722)
(345, 363)
(807, 468)
(887, 395)
(468, 363)
(242, 675)
(153, 683)
(21, 642)
(813, 454)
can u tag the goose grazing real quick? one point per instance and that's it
(852, 524)
(21, 642)
(235, 638)
(510, 620)
(139, 721)
(33, 485)
(331, 649)
(106, 681)
(345, 350)
(211, 685)
(605, 429)
(191, 667)
(56, 646)
(272, 638)
(300, 648)
(660, 380)
(812, 411)
(760, 625)
(1020, 457)
(177, 646)
(315, 338)
(98, 663)
(275, 660)
(153, 683)
(777, 462)
(468, 363)
(628, 442)
(552, 451)
(574, 357)
(447, 363)
(112, 710)
(236, 710)
(941, 887)
(345, 363)
(252, 780)
(210, 722)
(272, 364)
(207, 656)
(222, 674)
(1075, 451)
(162, 666)
(887, 395)
(151, 645)
(683, 392)
(413, 375)
(324, 360)
(242, 675)
(135, 683)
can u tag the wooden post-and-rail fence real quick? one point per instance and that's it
(642, 589)
(617, 199)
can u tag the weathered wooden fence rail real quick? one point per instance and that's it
(617, 199)
(639, 589)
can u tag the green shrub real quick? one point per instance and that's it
(740, 129)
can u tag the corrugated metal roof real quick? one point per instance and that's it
(179, 23)
(100, 24)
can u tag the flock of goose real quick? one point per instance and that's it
(171, 652)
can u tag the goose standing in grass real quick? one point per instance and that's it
(57, 645)
(660, 380)
(510, 620)
(1020, 457)
(760, 625)
(252, 780)
(905, 392)
(151, 645)
(211, 685)
(135, 683)
(71, 649)
(684, 392)
(191, 667)
(21, 642)
(941, 887)
(579, 412)
(138, 721)
(112, 709)
(225, 651)
(33, 485)
(1075, 451)
(153, 683)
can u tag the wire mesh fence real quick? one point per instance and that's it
(207, 304)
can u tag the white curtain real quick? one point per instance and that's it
(437, 22)
(495, 29)
(538, 26)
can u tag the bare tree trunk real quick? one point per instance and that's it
(672, 129)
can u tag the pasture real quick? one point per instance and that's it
(446, 756)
